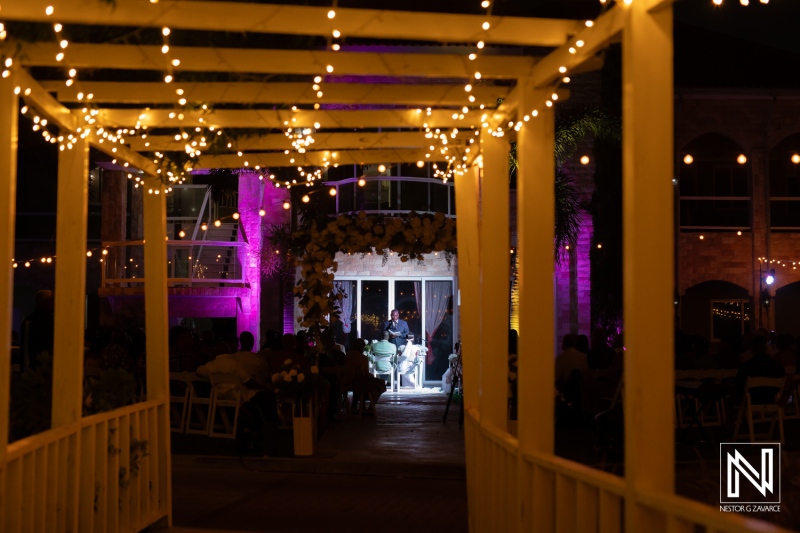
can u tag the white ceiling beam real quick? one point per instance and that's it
(35, 95)
(260, 61)
(604, 30)
(315, 159)
(297, 20)
(322, 141)
(281, 119)
(273, 93)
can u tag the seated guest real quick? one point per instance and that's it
(183, 353)
(785, 355)
(117, 354)
(259, 410)
(406, 363)
(701, 351)
(582, 344)
(384, 352)
(569, 360)
(249, 367)
(601, 355)
(760, 365)
(727, 355)
(356, 377)
(287, 352)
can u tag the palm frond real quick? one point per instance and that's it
(568, 215)
(575, 124)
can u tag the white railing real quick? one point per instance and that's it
(188, 263)
(564, 496)
(104, 473)
(390, 201)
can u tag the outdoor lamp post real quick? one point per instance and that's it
(768, 277)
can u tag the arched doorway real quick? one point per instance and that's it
(787, 304)
(716, 309)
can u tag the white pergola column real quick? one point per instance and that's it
(467, 194)
(536, 363)
(157, 318)
(72, 207)
(648, 254)
(494, 281)
(8, 208)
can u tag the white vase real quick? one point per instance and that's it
(303, 429)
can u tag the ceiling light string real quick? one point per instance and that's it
(742, 2)
(66, 142)
(332, 44)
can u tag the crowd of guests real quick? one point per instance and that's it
(587, 374)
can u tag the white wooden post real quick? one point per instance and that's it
(470, 301)
(8, 208)
(70, 291)
(494, 281)
(536, 366)
(70, 302)
(157, 317)
(648, 255)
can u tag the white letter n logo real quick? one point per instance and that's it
(741, 465)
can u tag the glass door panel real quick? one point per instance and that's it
(438, 327)
(407, 300)
(374, 308)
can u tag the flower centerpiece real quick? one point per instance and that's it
(293, 385)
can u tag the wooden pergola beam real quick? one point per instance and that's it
(297, 20)
(316, 159)
(322, 141)
(605, 29)
(422, 95)
(262, 61)
(36, 95)
(281, 119)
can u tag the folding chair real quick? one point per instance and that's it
(178, 400)
(200, 405)
(770, 413)
(384, 364)
(226, 396)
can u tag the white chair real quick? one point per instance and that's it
(387, 363)
(178, 400)
(688, 405)
(226, 396)
(200, 405)
(407, 363)
(771, 413)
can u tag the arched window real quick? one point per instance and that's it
(784, 184)
(714, 184)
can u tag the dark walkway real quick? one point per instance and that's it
(402, 470)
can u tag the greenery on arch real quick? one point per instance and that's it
(313, 249)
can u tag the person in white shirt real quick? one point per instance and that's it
(259, 414)
(249, 367)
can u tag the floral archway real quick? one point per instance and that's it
(313, 250)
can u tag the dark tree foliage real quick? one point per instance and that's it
(606, 205)
(568, 214)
